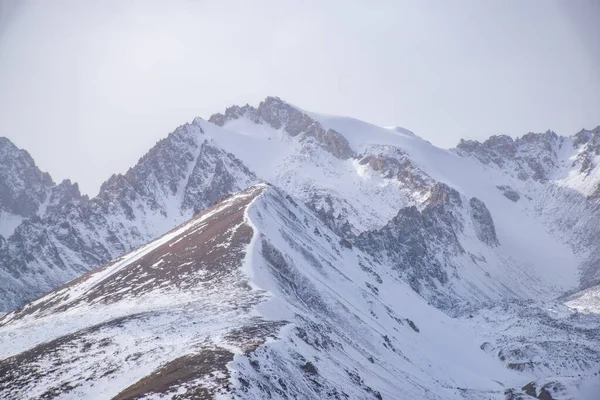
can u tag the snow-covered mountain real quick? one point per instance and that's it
(257, 298)
(180, 175)
(25, 191)
(372, 265)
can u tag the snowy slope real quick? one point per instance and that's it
(355, 176)
(308, 171)
(180, 175)
(585, 301)
(366, 196)
(375, 266)
(555, 180)
(256, 298)
(181, 294)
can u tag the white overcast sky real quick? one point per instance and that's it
(87, 87)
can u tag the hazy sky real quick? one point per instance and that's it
(87, 87)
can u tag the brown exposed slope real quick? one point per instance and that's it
(187, 256)
(164, 317)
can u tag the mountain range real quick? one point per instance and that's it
(273, 252)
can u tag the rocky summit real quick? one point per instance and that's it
(270, 252)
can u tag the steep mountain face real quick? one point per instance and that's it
(280, 115)
(541, 157)
(334, 281)
(478, 248)
(424, 246)
(354, 184)
(357, 178)
(24, 189)
(556, 179)
(182, 287)
(26, 192)
(534, 156)
(256, 298)
(190, 170)
(182, 174)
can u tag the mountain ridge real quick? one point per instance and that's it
(290, 310)
(363, 238)
(173, 165)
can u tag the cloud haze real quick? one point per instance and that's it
(88, 86)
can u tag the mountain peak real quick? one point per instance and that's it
(7, 143)
(252, 113)
(358, 215)
(23, 186)
(585, 136)
(273, 100)
(280, 115)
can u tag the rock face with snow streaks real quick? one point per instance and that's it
(182, 174)
(189, 276)
(280, 115)
(333, 280)
(255, 297)
(23, 187)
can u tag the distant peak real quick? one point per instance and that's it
(595, 131)
(232, 113)
(584, 136)
(502, 143)
(272, 110)
(6, 143)
(274, 99)
(507, 143)
(267, 106)
(271, 103)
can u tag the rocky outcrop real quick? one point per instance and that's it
(333, 142)
(272, 111)
(425, 247)
(444, 196)
(533, 156)
(234, 112)
(483, 223)
(62, 195)
(281, 115)
(399, 166)
(183, 173)
(23, 187)
(509, 193)
(496, 149)
(588, 144)
(418, 243)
